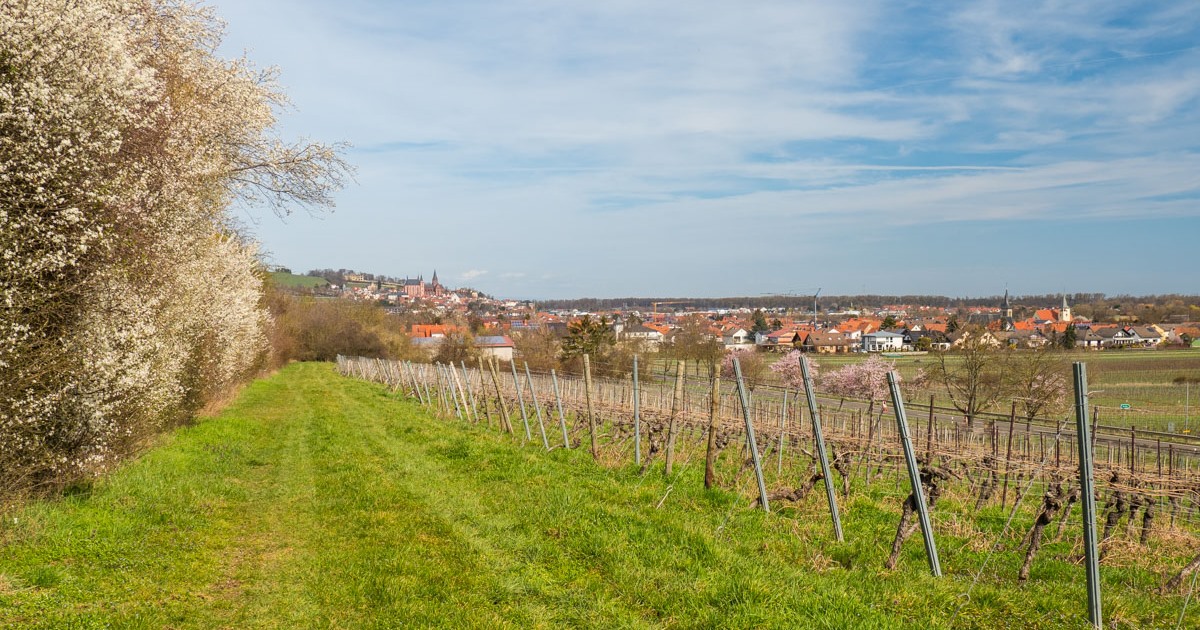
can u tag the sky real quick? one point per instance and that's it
(550, 149)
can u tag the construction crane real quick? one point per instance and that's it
(654, 305)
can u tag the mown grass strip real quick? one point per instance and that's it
(321, 502)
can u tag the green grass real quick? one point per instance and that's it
(320, 502)
(293, 281)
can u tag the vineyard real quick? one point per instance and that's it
(1159, 388)
(1010, 482)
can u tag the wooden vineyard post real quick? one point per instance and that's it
(412, 376)
(505, 423)
(587, 392)
(753, 446)
(451, 391)
(470, 391)
(425, 382)
(521, 401)
(714, 412)
(562, 419)
(673, 423)
(637, 417)
(815, 414)
(536, 407)
(1087, 494)
(914, 476)
(441, 388)
(1132, 449)
(457, 384)
(1012, 418)
(487, 412)
(423, 379)
(416, 383)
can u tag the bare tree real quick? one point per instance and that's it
(1038, 381)
(694, 342)
(539, 348)
(457, 347)
(973, 372)
(754, 367)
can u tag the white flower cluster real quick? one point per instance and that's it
(127, 299)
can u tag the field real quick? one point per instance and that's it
(293, 281)
(1142, 379)
(318, 501)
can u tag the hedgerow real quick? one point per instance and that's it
(130, 298)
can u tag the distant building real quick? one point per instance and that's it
(882, 341)
(1006, 315)
(418, 288)
(498, 346)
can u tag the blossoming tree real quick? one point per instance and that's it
(130, 297)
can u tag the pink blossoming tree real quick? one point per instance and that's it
(788, 370)
(866, 380)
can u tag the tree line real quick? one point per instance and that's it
(1098, 306)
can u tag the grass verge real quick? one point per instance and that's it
(320, 502)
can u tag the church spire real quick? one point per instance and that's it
(1006, 314)
(434, 280)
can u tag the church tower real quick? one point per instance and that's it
(1064, 314)
(1006, 314)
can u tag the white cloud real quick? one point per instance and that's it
(566, 136)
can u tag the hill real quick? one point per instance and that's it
(292, 281)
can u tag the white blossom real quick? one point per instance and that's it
(128, 298)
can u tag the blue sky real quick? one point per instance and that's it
(567, 149)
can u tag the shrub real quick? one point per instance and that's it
(130, 299)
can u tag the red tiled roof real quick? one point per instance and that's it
(429, 330)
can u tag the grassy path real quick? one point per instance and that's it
(319, 502)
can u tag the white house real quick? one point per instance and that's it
(882, 341)
(737, 338)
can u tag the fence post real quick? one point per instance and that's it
(458, 384)
(562, 420)
(818, 437)
(451, 384)
(441, 389)
(536, 407)
(429, 401)
(1087, 494)
(470, 391)
(914, 475)
(637, 417)
(412, 376)
(758, 473)
(673, 423)
(714, 412)
(1012, 419)
(505, 423)
(587, 393)
(929, 434)
(521, 401)
(782, 429)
